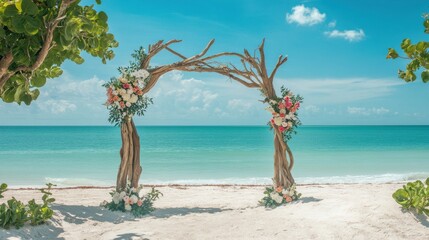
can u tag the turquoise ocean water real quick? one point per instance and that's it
(71, 156)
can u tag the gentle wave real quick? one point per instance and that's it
(381, 178)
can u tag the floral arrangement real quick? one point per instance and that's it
(125, 96)
(131, 200)
(276, 196)
(284, 111)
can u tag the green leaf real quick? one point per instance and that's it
(35, 94)
(421, 46)
(392, 54)
(427, 181)
(10, 11)
(425, 78)
(51, 3)
(9, 95)
(29, 7)
(55, 72)
(102, 16)
(38, 81)
(31, 26)
(18, 23)
(19, 91)
(2, 33)
(27, 99)
(405, 43)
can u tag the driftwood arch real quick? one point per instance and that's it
(253, 74)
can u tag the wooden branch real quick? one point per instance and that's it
(280, 62)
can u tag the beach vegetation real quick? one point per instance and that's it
(16, 213)
(37, 37)
(417, 54)
(414, 196)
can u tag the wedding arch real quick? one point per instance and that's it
(128, 91)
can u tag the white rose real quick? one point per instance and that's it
(122, 91)
(127, 207)
(128, 104)
(116, 198)
(122, 194)
(273, 101)
(134, 199)
(114, 92)
(123, 80)
(129, 91)
(278, 121)
(283, 111)
(284, 191)
(134, 98)
(141, 74)
(126, 97)
(288, 117)
(284, 124)
(270, 109)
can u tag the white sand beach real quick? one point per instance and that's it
(354, 211)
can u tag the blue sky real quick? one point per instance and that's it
(336, 53)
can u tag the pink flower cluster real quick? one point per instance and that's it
(285, 117)
(123, 95)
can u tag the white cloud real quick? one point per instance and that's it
(350, 35)
(335, 91)
(239, 105)
(367, 111)
(311, 109)
(332, 24)
(305, 16)
(56, 106)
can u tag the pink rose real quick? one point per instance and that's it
(126, 199)
(139, 203)
(282, 129)
(281, 105)
(126, 86)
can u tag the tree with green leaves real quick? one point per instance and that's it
(417, 53)
(37, 36)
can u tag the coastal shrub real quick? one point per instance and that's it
(16, 213)
(131, 200)
(414, 195)
(276, 196)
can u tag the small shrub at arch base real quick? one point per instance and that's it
(131, 200)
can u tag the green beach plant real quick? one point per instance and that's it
(415, 196)
(16, 213)
(417, 54)
(37, 36)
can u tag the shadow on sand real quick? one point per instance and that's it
(308, 200)
(421, 218)
(169, 212)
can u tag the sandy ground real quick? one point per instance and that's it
(359, 211)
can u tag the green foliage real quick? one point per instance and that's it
(418, 56)
(278, 196)
(15, 213)
(414, 195)
(23, 31)
(129, 200)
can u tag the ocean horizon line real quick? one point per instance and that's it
(309, 125)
